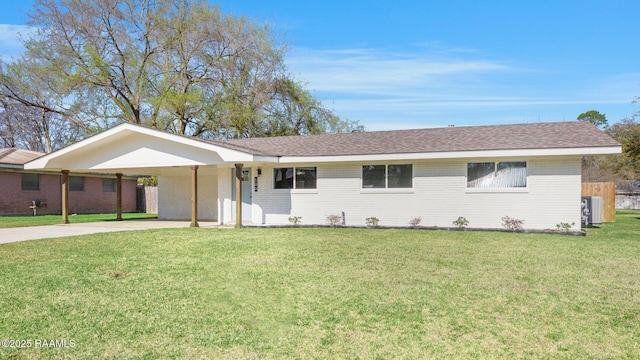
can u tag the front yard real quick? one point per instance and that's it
(324, 293)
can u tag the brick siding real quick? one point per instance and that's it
(15, 201)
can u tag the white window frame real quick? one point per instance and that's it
(294, 187)
(522, 189)
(386, 187)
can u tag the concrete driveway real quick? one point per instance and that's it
(54, 231)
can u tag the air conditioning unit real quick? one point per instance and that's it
(597, 209)
(592, 210)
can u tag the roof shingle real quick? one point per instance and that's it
(575, 134)
(14, 156)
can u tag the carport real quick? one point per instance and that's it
(134, 149)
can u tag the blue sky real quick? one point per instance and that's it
(414, 64)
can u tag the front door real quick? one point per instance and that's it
(246, 195)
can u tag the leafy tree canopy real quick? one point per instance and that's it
(176, 65)
(627, 133)
(594, 117)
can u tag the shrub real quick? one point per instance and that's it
(461, 222)
(372, 221)
(415, 222)
(295, 220)
(512, 224)
(148, 181)
(564, 227)
(334, 219)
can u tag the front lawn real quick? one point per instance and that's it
(325, 293)
(22, 221)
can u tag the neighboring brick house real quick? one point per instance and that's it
(89, 193)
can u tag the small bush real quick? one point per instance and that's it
(512, 224)
(415, 222)
(151, 181)
(461, 222)
(564, 227)
(334, 219)
(372, 221)
(295, 220)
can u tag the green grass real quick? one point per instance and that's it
(326, 293)
(22, 221)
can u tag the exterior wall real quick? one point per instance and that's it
(628, 202)
(174, 194)
(224, 195)
(94, 200)
(552, 197)
(15, 201)
(439, 195)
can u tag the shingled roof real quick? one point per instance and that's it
(14, 156)
(576, 134)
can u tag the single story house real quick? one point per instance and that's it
(530, 172)
(22, 189)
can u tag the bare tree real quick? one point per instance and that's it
(216, 72)
(176, 65)
(102, 45)
(31, 118)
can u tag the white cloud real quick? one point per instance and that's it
(435, 86)
(371, 72)
(11, 37)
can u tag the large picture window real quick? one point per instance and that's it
(387, 176)
(295, 178)
(506, 174)
(30, 182)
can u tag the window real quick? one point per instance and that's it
(76, 183)
(30, 182)
(373, 176)
(294, 178)
(387, 176)
(108, 185)
(400, 176)
(508, 174)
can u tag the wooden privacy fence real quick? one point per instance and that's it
(606, 190)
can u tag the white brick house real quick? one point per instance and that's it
(526, 171)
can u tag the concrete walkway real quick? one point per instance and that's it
(54, 231)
